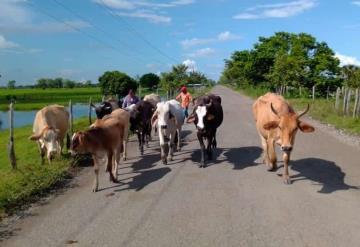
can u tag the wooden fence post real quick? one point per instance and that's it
(313, 92)
(11, 149)
(345, 90)
(71, 118)
(89, 114)
(356, 103)
(348, 101)
(327, 93)
(337, 99)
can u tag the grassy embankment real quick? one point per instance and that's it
(30, 179)
(33, 99)
(320, 109)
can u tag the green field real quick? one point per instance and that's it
(17, 187)
(33, 99)
(320, 109)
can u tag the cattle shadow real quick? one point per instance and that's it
(146, 161)
(243, 157)
(144, 178)
(196, 157)
(323, 172)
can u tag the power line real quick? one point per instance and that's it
(133, 30)
(77, 29)
(131, 48)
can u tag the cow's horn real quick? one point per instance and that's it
(304, 112)
(273, 110)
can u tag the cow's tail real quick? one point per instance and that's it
(67, 141)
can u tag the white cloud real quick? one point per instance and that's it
(117, 4)
(5, 44)
(221, 37)
(190, 64)
(356, 3)
(279, 10)
(152, 17)
(204, 52)
(347, 60)
(225, 36)
(14, 11)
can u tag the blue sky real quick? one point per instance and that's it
(80, 39)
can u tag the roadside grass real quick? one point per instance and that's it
(35, 98)
(21, 186)
(321, 109)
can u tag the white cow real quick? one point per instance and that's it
(51, 124)
(169, 118)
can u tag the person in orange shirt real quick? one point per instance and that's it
(186, 98)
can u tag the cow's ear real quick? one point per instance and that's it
(306, 128)
(35, 137)
(191, 118)
(271, 125)
(210, 117)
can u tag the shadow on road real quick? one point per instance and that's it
(144, 178)
(326, 173)
(243, 157)
(146, 161)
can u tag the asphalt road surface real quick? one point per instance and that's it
(232, 202)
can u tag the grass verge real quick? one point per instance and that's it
(321, 109)
(19, 187)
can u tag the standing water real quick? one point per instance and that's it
(22, 118)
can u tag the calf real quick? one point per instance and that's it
(140, 119)
(276, 121)
(104, 139)
(124, 117)
(50, 126)
(207, 116)
(169, 118)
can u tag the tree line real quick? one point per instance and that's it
(119, 83)
(292, 60)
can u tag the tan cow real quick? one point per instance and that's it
(276, 121)
(124, 117)
(50, 126)
(105, 139)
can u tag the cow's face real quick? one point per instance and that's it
(287, 127)
(200, 116)
(78, 143)
(164, 115)
(48, 139)
(103, 109)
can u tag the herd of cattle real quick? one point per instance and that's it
(106, 139)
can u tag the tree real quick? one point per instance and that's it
(149, 80)
(116, 83)
(69, 83)
(11, 84)
(42, 83)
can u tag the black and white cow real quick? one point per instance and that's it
(207, 116)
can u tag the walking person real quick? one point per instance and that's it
(186, 98)
(130, 99)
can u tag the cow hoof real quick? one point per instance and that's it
(271, 169)
(164, 162)
(124, 159)
(95, 190)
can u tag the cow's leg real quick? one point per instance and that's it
(208, 148)
(202, 149)
(271, 154)
(172, 144)
(117, 162)
(141, 148)
(285, 176)
(179, 139)
(96, 171)
(42, 153)
(61, 142)
(163, 148)
(110, 162)
(125, 141)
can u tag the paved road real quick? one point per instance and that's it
(233, 202)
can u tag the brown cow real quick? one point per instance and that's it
(124, 117)
(50, 126)
(104, 139)
(276, 121)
